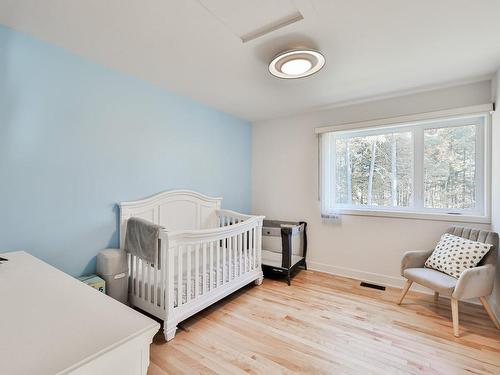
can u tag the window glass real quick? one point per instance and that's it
(450, 167)
(374, 170)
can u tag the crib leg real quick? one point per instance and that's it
(169, 331)
(259, 280)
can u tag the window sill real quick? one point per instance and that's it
(417, 215)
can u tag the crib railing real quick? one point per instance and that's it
(193, 264)
(228, 217)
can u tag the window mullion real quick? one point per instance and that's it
(394, 171)
(418, 168)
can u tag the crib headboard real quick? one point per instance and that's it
(174, 210)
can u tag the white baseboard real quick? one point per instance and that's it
(375, 278)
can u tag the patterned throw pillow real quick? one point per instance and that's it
(453, 255)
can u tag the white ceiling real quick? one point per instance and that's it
(195, 47)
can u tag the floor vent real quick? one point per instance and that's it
(373, 286)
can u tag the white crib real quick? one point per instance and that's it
(208, 252)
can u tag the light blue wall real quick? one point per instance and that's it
(76, 138)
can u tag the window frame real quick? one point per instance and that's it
(417, 124)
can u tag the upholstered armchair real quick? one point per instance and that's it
(474, 282)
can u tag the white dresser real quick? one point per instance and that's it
(51, 323)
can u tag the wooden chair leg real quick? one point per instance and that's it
(405, 290)
(436, 297)
(488, 309)
(454, 316)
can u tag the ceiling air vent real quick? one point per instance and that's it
(249, 20)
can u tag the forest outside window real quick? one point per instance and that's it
(434, 167)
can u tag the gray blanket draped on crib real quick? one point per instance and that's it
(142, 239)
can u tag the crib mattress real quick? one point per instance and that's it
(230, 266)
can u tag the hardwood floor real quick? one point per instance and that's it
(324, 324)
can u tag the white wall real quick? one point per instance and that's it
(285, 186)
(495, 177)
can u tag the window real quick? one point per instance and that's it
(433, 166)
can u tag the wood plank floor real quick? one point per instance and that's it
(325, 324)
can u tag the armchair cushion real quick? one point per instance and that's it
(435, 280)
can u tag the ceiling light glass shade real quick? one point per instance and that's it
(296, 67)
(296, 64)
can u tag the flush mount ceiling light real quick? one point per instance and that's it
(296, 64)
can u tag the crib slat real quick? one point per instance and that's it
(149, 290)
(247, 247)
(240, 253)
(179, 276)
(140, 275)
(224, 249)
(136, 286)
(230, 262)
(143, 277)
(134, 263)
(235, 257)
(147, 284)
(156, 267)
(218, 249)
(197, 271)
(211, 269)
(229, 259)
(249, 243)
(144, 288)
(254, 248)
(204, 271)
(152, 284)
(259, 248)
(244, 251)
(131, 273)
(250, 250)
(188, 276)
